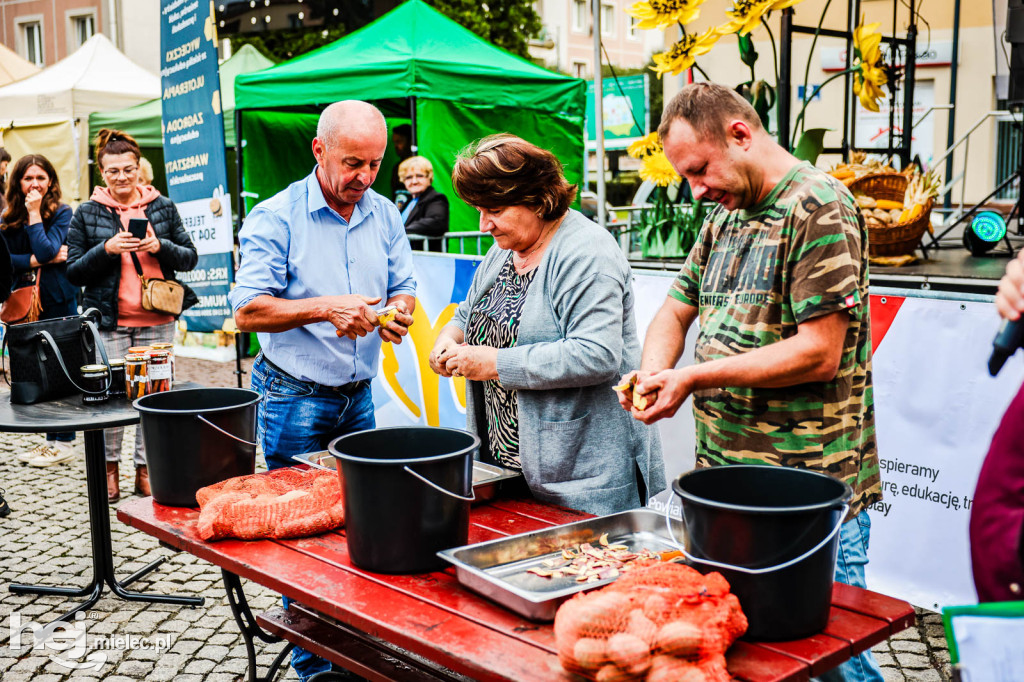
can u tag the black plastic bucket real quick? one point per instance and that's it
(773, 533)
(197, 437)
(407, 494)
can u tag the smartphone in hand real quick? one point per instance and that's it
(137, 227)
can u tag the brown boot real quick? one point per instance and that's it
(142, 481)
(113, 484)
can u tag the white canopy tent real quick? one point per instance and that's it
(37, 112)
(13, 67)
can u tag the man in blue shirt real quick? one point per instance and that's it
(314, 259)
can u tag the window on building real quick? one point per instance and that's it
(579, 68)
(32, 42)
(579, 15)
(83, 27)
(295, 20)
(607, 20)
(632, 32)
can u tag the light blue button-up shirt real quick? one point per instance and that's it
(295, 246)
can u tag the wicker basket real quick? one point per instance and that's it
(893, 240)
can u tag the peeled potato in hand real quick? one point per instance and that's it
(641, 402)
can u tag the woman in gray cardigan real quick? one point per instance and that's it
(547, 328)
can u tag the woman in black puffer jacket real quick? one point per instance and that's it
(100, 258)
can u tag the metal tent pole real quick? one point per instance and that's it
(598, 115)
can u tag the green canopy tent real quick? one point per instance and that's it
(418, 66)
(143, 121)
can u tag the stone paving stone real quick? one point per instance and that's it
(926, 675)
(200, 667)
(213, 652)
(910, 647)
(913, 661)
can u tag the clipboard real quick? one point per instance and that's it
(985, 641)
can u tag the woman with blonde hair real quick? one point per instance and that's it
(104, 257)
(426, 214)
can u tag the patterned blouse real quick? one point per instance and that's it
(494, 321)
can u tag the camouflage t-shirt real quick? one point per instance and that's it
(754, 275)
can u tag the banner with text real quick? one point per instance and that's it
(193, 139)
(936, 409)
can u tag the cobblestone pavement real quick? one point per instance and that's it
(45, 540)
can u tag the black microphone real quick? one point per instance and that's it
(1009, 338)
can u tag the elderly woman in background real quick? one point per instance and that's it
(426, 214)
(35, 227)
(100, 258)
(547, 328)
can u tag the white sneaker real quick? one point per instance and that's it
(51, 456)
(65, 447)
(30, 455)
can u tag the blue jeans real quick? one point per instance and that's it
(854, 537)
(294, 418)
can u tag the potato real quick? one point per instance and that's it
(880, 214)
(672, 669)
(894, 215)
(590, 653)
(864, 201)
(611, 673)
(681, 638)
(655, 607)
(641, 626)
(629, 652)
(589, 615)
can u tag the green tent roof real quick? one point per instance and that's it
(412, 51)
(142, 121)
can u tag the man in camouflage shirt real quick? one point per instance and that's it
(779, 280)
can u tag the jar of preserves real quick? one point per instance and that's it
(169, 347)
(117, 382)
(159, 371)
(96, 382)
(136, 378)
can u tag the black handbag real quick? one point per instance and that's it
(46, 356)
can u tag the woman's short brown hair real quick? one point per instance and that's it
(115, 142)
(505, 170)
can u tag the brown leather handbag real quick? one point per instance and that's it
(25, 302)
(160, 295)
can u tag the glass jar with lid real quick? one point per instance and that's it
(159, 371)
(169, 348)
(117, 382)
(136, 375)
(96, 382)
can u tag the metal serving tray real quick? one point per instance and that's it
(497, 569)
(487, 478)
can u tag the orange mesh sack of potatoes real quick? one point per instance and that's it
(285, 503)
(666, 623)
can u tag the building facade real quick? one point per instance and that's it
(566, 42)
(46, 31)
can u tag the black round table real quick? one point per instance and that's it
(70, 414)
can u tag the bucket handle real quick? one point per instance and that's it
(471, 498)
(229, 435)
(743, 569)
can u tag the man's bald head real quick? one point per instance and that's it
(350, 119)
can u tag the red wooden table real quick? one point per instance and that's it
(438, 622)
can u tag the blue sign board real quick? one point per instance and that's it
(193, 139)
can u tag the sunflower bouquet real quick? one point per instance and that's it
(667, 229)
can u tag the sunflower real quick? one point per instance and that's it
(645, 146)
(746, 15)
(870, 75)
(682, 55)
(657, 169)
(661, 13)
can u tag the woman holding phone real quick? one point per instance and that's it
(107, 246)
(35, 227)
